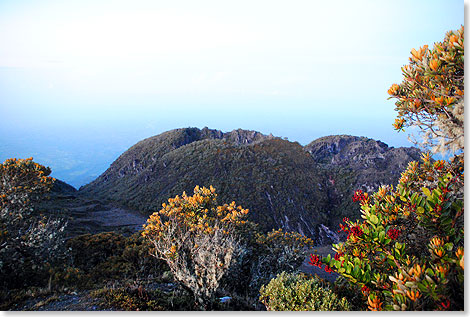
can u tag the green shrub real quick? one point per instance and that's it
(140, 298)
(295, 292)
(97, 258)
(407, 253)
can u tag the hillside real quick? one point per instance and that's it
(305, 189)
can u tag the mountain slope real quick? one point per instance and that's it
(283, 184)
(355, 163)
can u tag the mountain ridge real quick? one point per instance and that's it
(284, 184)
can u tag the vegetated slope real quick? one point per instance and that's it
(282, 183)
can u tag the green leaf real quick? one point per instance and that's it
(381, 236)
(426, 191)
(356, 271)
(328, 258)
(374, 219)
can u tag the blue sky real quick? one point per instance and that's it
(85, 80)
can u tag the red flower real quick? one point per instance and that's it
(446, 305)
(315, 260)
(358, 196)
(393, 233)
(365, 290)
(357, 231)
(337, 256)
(328, 269)
(343, 228)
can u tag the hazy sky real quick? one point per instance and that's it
(114, 72)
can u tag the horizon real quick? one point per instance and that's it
(81, 82)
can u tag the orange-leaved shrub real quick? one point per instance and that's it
(197, 240)
(431, 96)
(212, 248)
(407, 252)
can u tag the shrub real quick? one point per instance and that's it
(29, 242)
(197, 240)
(294, 292)
(139, 298)
(276, 252)
(431, 96)
(210, 247)
(107, 256)
(407, 253)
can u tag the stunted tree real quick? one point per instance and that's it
(197, 239)
(431, 96)
(28, 240)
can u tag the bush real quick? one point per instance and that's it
(295, 292)
(407, 253)
(139, 298)
(213, 248)
(97, 258)
(197, 240)
(30, 243)
(431, 96)
(276, 252)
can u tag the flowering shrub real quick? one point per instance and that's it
(295, 292)
(407, 253)
(431, 95)
(196, 238)
(209, 247)
(29, 242)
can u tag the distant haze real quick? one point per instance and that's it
(82, 81)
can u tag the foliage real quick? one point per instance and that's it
(197, 239)
(29, 242)
(294, 292)
(431, 95)
(407, 252)
(139, 298)
(275, 252)
(108, 256)
(273, 178)
(210, 247)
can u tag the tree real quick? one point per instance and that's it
(196, 238)
(28, 241)
(431, 96)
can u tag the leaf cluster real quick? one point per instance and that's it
(384, 252)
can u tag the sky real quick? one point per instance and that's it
(82, 81)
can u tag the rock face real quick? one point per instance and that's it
(304, 189)
(354, 163)
(374, 162)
